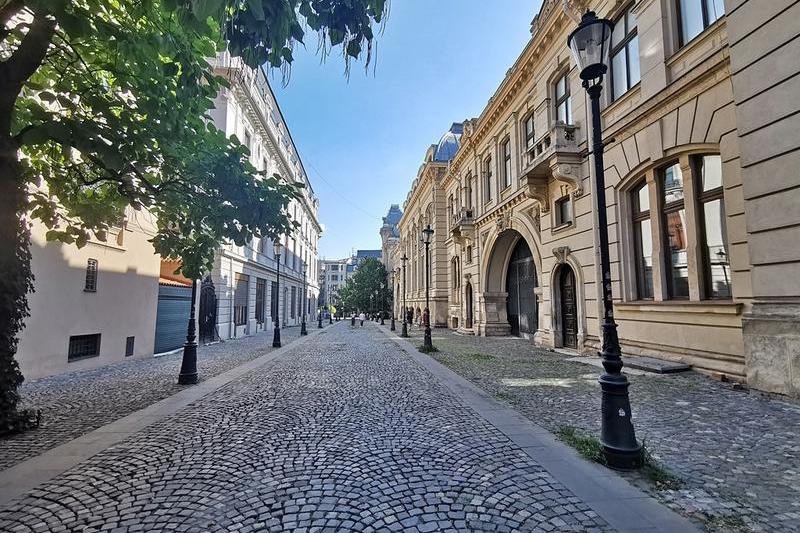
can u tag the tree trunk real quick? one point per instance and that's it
(16, 280)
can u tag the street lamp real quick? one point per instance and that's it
(590, 43)
(383, 301)
(404, 332)
(303, 330)
(427, 233)
(391, 326)
(276, 337)
(188, 373)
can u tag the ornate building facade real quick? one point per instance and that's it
(509, 197)
(248, 295)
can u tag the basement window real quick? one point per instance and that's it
(83, 347)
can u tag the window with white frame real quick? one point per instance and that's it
(563, 100)
(642, 241)
(529, 132)
(624, 54)
(695, 16)
(505, 149)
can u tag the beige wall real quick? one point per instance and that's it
(685, 105)
(764, 60)
(124, 304)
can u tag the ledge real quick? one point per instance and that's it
(705, 306)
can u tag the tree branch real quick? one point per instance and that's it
(27, 58)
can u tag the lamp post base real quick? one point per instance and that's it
(391, 325)
(617, 435)
(319, 322)
(276, 338)
(404, 331)
(303, 330)
(427, 341)
(188, 374)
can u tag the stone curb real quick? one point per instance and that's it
(27, 475)
(623, 506)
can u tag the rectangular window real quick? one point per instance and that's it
(563, 100)
(274, 301)
(697, 15)
(129, 342)
(83, 347)
(506, 150)
(716, 263)
(624, 55)
(529, 133)
(292, 302)
(642, 242)
(563, 211)
(240, 296)
(487, 179)
(261, 299)
(675, 241)
(469, 254)
(90, 284)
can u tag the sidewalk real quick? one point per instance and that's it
(736, 453)
(76, 403)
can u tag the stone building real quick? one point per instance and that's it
(700, 230)
(244, 277)
(332, 276)
(390, 235)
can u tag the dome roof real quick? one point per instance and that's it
(449, 143)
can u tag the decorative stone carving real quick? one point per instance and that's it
(503, 221)
(538, 191)
(569, 173)
(572, 10)
(537, 219)
(561, 254)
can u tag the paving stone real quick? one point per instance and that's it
(737, 452)
(345, 423)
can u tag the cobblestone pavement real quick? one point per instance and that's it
(75, 403)
(737, 452)
(345, 432)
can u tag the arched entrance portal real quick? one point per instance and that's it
(521, 305)
(568, 308)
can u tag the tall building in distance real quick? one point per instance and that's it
(390, 235)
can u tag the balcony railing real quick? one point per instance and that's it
(562, 138)
(463, 226)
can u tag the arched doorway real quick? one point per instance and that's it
(468, 302)
(521, 305)
(568, 308)
(208, 311)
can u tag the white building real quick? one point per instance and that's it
(244, 278)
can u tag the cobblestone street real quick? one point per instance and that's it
(75, 403)
(736, 452)
(342, 431)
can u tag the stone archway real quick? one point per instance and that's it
(512, 258)
(468, 320)
(567, 303)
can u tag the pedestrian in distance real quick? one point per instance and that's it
(362, 317)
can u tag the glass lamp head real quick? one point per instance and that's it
(590, 44)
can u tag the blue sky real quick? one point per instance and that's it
(362, 140)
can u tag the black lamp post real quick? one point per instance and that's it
(383, 302)
(404, 332)
(303, 330)
(391, 324)
(188, 374)
(590, 43)
(427, 233)
(276, 337)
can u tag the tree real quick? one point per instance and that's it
(367, 290)
(105, 104)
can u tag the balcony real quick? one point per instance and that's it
(462, 228)
(555, 155)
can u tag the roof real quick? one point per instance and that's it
(449, 143)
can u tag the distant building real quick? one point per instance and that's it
(390, 235)
(244, 277)
(332, 276)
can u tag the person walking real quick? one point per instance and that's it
(362, 317)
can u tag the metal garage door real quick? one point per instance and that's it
(172, 317)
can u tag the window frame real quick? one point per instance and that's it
(637, 217)
(626, 40)
(563, 99)
(529, 137)
(666, 209)
(487, 179)
(565, 200)
(75, 339)
(707, 23)
(704, 197)
(505, 148)
(92, 271)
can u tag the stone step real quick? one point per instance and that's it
(659, 366)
